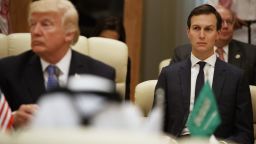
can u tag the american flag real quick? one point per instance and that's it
(4, 16)
(6, 117)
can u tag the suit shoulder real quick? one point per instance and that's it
(232, 68)
(89, 60)
(180, 53)
(248, 51)
(244, 45)
(175, 66)
(13, 61)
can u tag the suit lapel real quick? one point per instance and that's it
(219, 77)
(185, 77)
(76, 66)
(234, 54)
(33, 78)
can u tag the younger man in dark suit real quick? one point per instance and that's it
(179, 82)
(24, 78)
(237, 53)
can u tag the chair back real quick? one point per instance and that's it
(113, 53)
(144, 95)
(253, 95)
(164, 63)
(18, 43)
(3, 45)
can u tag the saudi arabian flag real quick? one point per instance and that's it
(204, 118)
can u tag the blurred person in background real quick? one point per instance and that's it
(245, 12)
(245, 17)
(112, 27)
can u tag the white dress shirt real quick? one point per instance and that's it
(63, 65)
(208, 75)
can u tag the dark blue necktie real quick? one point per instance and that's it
(52, 77)
(199, 79)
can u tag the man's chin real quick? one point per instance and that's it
(225, 36)
(202, 48)
(37, 49)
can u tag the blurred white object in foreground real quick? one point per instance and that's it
(90, 83)
(86, 136)
(89, 101)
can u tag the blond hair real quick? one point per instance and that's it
(65, 8)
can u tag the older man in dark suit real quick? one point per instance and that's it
(180, 83)
(234, 52)
(24, 78)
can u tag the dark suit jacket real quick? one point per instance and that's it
(232, 95)
(240, 54)
(21, 77)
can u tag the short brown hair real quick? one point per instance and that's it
(205, 9)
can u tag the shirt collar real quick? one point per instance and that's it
(63, 64)
(225, 48)
(210, 60)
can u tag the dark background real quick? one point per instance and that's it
(91, 11)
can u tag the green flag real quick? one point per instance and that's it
(204, 118)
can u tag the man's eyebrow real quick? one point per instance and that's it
(205, 26)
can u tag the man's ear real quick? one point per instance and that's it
(69, 37)
(188, 30)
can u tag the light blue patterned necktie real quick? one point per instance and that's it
(52, 77)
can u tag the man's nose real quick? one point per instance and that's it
(224, 24)
(202, 34)
(36, 29)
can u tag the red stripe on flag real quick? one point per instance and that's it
(6, 117)
(10, 124)
(3, 115)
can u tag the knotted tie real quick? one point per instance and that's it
(220, 52)
(52, 77)
(199, 79)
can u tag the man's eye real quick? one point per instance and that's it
(32, 24)
(46, 24)
(208, 29)
(196, 28)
